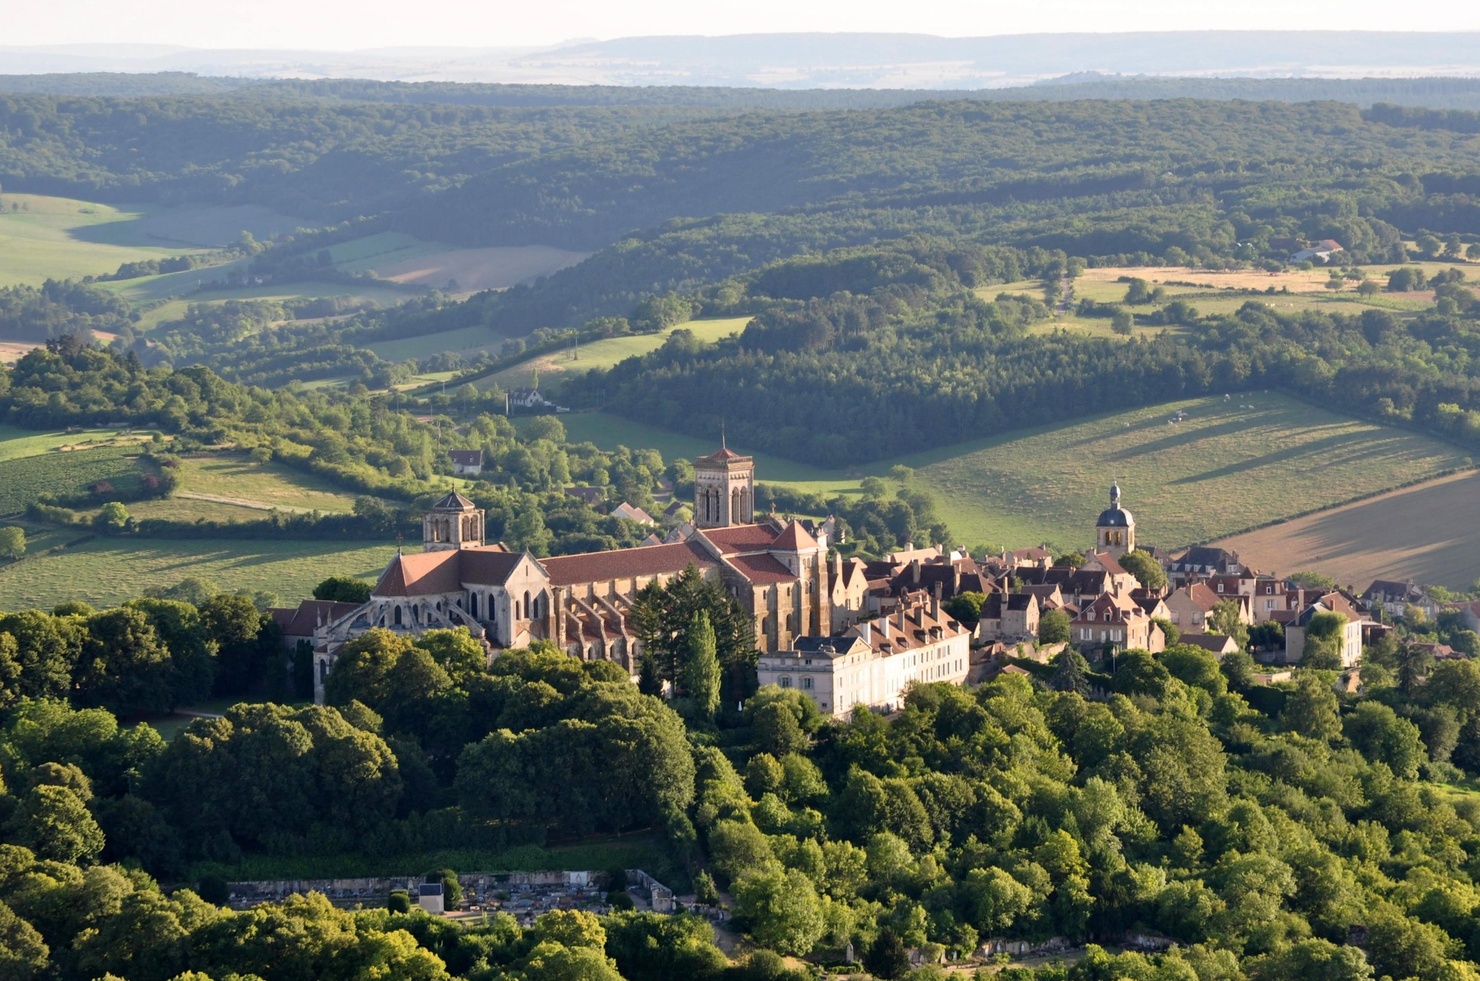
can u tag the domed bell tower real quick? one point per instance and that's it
(1115, 531)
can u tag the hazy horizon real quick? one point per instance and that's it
(340, 26)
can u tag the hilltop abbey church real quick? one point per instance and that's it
(778, 571)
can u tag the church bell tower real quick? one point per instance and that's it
(453, 522)
(724, 489)
(1115, 531)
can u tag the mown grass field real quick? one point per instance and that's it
(604, 354)
(1218, 292)
(178, 290)
(107, 571)
(464, 340)
(16, 443)
(1429, 533)
(1230, 465)
(63, 238)
(400, 258)
(261, 485)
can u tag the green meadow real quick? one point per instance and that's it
(63, 238)
(106, 571)
(608, 352)
(1226, 466)
(43, 237)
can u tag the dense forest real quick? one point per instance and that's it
(1262, 832)
(1242, 830)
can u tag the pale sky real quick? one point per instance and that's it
(356, 24)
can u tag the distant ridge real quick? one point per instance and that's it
(817, 61)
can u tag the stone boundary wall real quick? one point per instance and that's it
(586, 888)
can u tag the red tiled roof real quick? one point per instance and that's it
(420, 574)
(723, 455)
(1200, 595)
(488, 566)
(794, 539)
(309, 614)
(761, 569)
(741, 538)
(647, 560)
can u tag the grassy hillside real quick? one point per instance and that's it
(44, 237)
(606, 353)
(1229, 465)
(107, 571)
(1218, 292)
(61, 238)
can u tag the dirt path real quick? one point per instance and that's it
(1066, 287)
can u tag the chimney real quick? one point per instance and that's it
(935, 602)
(865, 631)
(901, 618)
(915, 571)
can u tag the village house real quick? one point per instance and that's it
(1202, 562)
(1321, 251)
(1115, 621)
(1219, 645)
(1395, 597)
(1009, 617)
(1190, 606)
(630, 512)
(466, 463)
(1348, 643)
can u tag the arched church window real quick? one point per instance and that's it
(396, 618)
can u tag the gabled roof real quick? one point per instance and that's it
(454, 502)
(466, 458)
(420, 574)
(1205, 557)
(624, 563)
(829, 647)
(487, 566)
(1198, 594)
(1217, 643)
(591, 495)
(1105, 561)
(761, 569)
(741, 538)
(794, 538)
(632, 513)
(309, 614)
(1393, 589)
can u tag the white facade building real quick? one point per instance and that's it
(874, 662)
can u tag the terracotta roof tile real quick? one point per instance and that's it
(489, 566)
(741, 538)
(761, 569)
(420, 574)
(625, 563)
(311, 613)
(794, 539)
